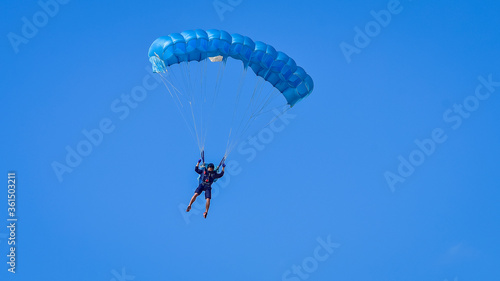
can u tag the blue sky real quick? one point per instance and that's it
(343, 192)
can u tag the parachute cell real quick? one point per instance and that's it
(275, 67)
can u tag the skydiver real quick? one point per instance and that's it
(207, 177)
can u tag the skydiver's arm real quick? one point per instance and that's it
(196, 169)
(216, 176)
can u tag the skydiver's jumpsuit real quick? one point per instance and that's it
(206, 180)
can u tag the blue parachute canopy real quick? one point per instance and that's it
(275, 67)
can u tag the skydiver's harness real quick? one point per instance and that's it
(204, 170)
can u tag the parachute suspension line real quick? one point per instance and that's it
(251, 119)
(218, 82)
(175, 90)
(257, 93)
(192, 94)
(179, 82)
(240, 86)
(258, 109)
(176, 81)
(203, 81)
(184, 94)
(202, 67)
(186, 78)
(177, 105)
(260, 101)
(182, 113)
(188, 97)
(236, 103)
(200, 145)
(279, 115)
(257, 89)
(258, 83)
(202, 102)
(264, 103)
(204, 91)
(198, 106)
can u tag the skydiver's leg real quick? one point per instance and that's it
(197, 192)
(192, 201)
(208, 196)
(207, 206)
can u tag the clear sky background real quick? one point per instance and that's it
(118, 214)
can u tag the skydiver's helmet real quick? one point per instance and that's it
(211, 165)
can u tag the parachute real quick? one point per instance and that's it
(275, 68)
